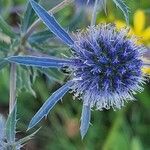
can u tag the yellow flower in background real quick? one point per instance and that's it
(146, 70)
(146, 60)
(138, 28)
(139, 23)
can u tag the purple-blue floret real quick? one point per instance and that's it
(107, 68)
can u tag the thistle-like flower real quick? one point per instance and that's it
(8, 131)
(105, 67)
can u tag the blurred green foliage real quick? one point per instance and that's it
(126, 129)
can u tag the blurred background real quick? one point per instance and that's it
(125, 129)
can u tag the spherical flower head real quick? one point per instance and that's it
(107, 68)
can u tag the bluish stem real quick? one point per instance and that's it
(94, 14)
(12, 96)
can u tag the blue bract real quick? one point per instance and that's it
(105, 68)
(85, 2)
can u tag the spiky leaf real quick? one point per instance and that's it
(28, 18)
(25, 79)
(121, 4)
(85, 120)
(44, 62)
(51, 23)
(49, 104)
(26, 139)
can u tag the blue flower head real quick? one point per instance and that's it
(105, 67)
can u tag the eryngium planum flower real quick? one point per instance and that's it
(107, 70)
(105, 67)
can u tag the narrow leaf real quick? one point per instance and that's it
(11, 125)
(85, 120)
(26, 139)
(43, 62)
(24, 78)
(28, 18)
(121, 4)
(49, 104)
(51, 23)
(6, 28)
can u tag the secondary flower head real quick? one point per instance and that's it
(107, 68)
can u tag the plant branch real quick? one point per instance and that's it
(12, 96)
(37, 22)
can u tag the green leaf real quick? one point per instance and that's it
(6, 28)
(11, 125)
(27, 138)
(40, 36)
(28, 18)
(25, 78)
(121, 4)
(3, 63)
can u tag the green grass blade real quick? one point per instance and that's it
(124, 8)
(28, 18)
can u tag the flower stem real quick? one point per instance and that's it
(94, 14)
(12, 96)
(53, 10)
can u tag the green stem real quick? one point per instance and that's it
(12, 94)
(37, 22)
